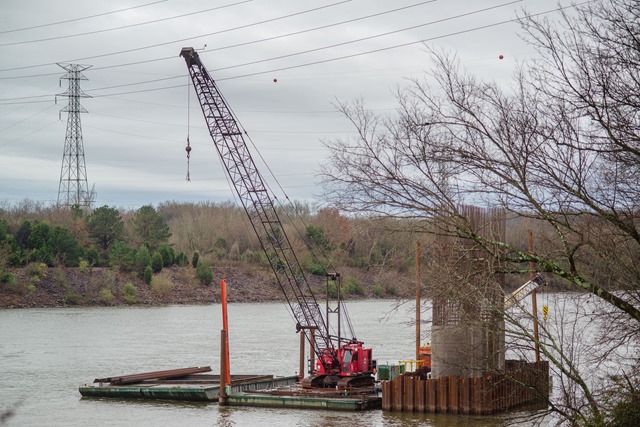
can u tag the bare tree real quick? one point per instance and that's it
(559, 147)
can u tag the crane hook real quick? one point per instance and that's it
(188, 150)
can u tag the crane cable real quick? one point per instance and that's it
(188, 147)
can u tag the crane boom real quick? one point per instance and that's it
(524, 291)
(259, 206)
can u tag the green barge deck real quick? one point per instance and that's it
(294, 396)
(197, 385)
(178, 385)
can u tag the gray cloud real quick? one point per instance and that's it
(134, 136)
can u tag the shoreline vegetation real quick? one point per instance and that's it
(51, 287)
(178, 252)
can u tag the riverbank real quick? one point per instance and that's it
(63, 287)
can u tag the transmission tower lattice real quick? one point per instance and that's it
(73, 189)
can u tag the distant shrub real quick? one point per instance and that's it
(37, 269)
(142, 260)
(317, 269)
(156, 262)
(83, 266)
(182, 260)
(204, 273)
(168, 254)
(378, 292)
(60, 277)
(106, 296)
(7, 278)
(195, 259)
(31, 289)
(220, 248)
(234, 252)
(72, 298)
(250, 256)
(105, 279)
(148, 275)
(9, 283)
(316, 236)
(353, 287)
(392, 291)
(161, 286)
(93, 256)
(129, 293)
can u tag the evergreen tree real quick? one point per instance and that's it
(168, 254)
(121, 256)
(204, 273)
(105, 226)
(150, 227)
(142, 260)
(156, 262)
(93, 257)
(148, 274)
(64, 248)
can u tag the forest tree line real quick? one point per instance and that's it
(145, 240)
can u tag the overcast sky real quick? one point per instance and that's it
(139, 116)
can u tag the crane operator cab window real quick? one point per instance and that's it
(346, 361)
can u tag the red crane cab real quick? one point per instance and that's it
(354, 367)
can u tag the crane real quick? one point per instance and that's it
(342, 362)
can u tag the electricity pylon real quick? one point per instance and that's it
(73, 189)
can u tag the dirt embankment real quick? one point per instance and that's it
(63, 287)
(60, 287)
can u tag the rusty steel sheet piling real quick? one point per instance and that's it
(522, 384)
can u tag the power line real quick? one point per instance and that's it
(82, 18)
(322, 27)
(370, 37)
(349, 42)
(28, 133)
(316, 49)
(241, 27)
(182, 107)
(482, 27)
(455, 33)
(24, 102)
(295, 33)
(26, 118)
(172, 41)
(121, 27)
(138, 83)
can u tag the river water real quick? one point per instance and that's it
(46, 354)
